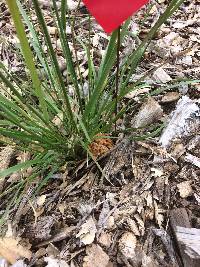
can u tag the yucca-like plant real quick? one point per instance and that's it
(41, 116)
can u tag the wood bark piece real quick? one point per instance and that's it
(183, 121)
(193, 159)
(181, 227)
(190, 238)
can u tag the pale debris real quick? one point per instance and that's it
(72, 5)
(41, 200)
(160, 75)
(158, 215)
(87, 232)
(183, 121)
(185, 189)
(19, 263)
(157, 172)
(52, 262)
(3, 262)
(148, 261)
(127, 245)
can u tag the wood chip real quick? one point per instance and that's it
(193, 159)
(188, 238)
(184, 120)
(170, 97)
(150, 112)
(96, 257)
(161, 76)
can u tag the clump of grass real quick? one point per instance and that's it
(41, 116)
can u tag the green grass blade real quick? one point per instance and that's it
(103, 74)
(18, 167)
(68, 111)
(68, 56)
(28, 56)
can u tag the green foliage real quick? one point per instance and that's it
(41, 116)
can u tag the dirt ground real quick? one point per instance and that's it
(128, 215)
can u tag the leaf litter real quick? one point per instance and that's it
(85, 220)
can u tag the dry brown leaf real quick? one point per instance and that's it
(5, 157)
(110, 223)
(140, 224)
(150, 112)
(170, 97)
(96, 257)
(178, 151)
(52, 30)
(137, 92)
(11, 250)
(87, 232)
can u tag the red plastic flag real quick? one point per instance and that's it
(110, 14)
